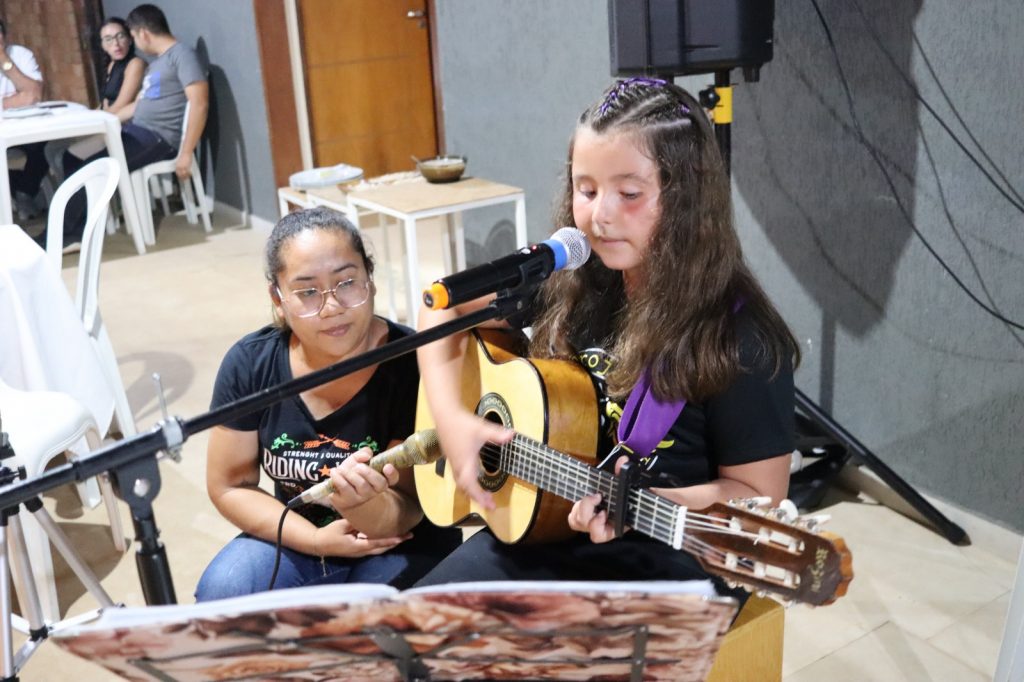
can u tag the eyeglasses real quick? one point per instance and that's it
(350, 293)
(118, 37)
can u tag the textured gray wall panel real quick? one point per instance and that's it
(892, 347)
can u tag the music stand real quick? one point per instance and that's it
(522, 630)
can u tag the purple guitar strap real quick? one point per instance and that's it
(645, 419)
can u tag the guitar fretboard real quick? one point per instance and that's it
(572, 479)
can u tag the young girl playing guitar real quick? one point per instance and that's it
(668, 297)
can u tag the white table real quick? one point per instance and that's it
(413, 200)
(43, 343)
(63, 122)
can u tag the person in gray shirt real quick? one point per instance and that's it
(173, 79)
(152, 124)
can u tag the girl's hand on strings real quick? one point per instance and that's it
(463, 435)
(586, 518)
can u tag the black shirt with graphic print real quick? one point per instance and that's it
(753, 419)
(296, 450)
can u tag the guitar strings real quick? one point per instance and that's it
(550, 461)
(606, 483)
(665, 522)
(539, 459)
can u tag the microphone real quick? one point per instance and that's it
(567, 249)
(421, 447)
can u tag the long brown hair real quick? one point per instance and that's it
(679, 321)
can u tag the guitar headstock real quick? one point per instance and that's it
(774, 550)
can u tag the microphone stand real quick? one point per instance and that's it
(720, 97)
(132, 463)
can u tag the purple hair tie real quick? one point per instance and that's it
(613, 95)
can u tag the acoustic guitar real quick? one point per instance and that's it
(552, 406)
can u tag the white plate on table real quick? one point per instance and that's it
(325, 177)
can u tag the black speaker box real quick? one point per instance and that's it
(679, 37)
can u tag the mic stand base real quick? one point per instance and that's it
(857, 453)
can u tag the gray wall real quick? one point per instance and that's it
(892, 347)
(236, 147)
(513, 79)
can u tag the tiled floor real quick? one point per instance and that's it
(918, 609)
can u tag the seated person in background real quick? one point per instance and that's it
(667, 298)
(21, 84)
(151, 129)
(371, 529)
(120, 87)
(124, 69)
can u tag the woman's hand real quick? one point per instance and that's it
(340, 538)
(462, 435)
(355, 482)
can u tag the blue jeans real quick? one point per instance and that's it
(245, 564)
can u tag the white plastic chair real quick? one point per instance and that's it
(193, 194)
(42, 425)
(100, 181)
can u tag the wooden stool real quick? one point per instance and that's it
(752, 649)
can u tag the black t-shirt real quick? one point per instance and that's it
(296, 450)
(111, 87)
(751, 420)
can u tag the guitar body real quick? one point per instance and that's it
(551, 401)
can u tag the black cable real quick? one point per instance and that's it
(1019, 203)
(956, 233)
(277, 548)
(862, 138)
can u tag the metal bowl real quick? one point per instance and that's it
(442, 168)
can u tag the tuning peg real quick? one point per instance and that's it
(750, 503)
(812, 522)
(787, 511)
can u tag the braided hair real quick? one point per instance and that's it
(678, 321)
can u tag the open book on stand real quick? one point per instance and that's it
(465, 631)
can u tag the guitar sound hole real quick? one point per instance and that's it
(493, 408)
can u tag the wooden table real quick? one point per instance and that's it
(412, 200)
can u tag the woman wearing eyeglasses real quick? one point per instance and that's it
(121, 84)
(371, 529)
(125, 68)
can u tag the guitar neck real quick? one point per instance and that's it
(572, 479)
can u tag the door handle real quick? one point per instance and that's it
(415, 14)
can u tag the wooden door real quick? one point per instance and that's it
(368, 82)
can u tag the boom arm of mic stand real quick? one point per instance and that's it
(133, 465)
